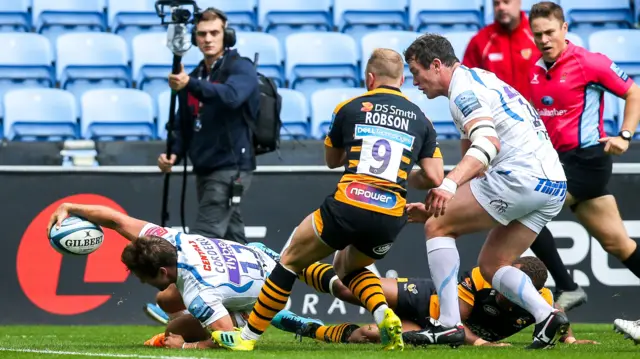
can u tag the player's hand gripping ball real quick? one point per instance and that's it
(76, 236)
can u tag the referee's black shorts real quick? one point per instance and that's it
(588, 171)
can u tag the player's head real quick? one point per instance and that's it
(431, 60)
(549, 29)
(152, 259)
(506, 13)
(385, 67)
(209, 33)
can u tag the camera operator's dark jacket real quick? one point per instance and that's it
(224, 139)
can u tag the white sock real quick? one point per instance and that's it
(517, 287)
(247, 334)
(444, 262)
(378, 314)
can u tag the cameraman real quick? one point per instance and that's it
(222, 90)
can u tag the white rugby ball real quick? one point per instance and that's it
(76, 236)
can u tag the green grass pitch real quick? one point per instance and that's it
(26, 342)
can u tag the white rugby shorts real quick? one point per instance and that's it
(509, 195)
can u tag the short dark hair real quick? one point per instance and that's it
(429, 47)
(535, 269)
(144, 256)
(209, 14)
(546, 9)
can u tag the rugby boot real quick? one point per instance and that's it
(266, 250)
(233, 340)
(547, 332)
(568, 300)
(154, 312)
(436, 334)
(630, 329)
(291, 322)
(391, 331)
(156, 341)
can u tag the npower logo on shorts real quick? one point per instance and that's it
(38, 265)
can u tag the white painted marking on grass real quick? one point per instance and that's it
(104, 355)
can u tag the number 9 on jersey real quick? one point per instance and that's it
(382, 150)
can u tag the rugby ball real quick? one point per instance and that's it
(76, 236)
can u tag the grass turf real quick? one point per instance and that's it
(25, 342)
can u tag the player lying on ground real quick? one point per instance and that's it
(216, 281)
(487, 315)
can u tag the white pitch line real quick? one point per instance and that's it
(104, 355)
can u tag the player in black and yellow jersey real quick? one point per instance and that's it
(378, 137)
(487, 315)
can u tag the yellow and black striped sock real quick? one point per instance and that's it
(272, 299)
(366, 286)
(335, 333)
(318, 276)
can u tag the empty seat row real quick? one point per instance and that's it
(282, 17)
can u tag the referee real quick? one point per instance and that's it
(567, 88)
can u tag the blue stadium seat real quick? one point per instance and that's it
(241, 13)
(576, 40)
(395, 40)
(417, 97)
(438, 112)
(117, 114)
(320, 60)
(40, 114)
(151, 62)
(294, 114)
(129, 18)
(621, 46)
(460, 40)
(357, 18)
(92, 60)
(621, 106)
(162, 109)
(445, 16)
(25, 62)
(270, 53)
(54, 17)
(526, 7)
(14, 15)
(587, 16)
(323, 102)
(282, 18)
(610, 114)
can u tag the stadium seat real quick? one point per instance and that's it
(395, 40)
(610, 114)
(14, 16)
(241, 14)
(25, 62)
(294, 115)
(621, 46)
(151, 62)
(417, 97)
(270, 53)
(281, 18)
(40, 114)
(163, 105)
(129, 18)
(117, 114)
(320, 60)
(323, 102)
(92, 60)
(437, 110)
(357, 18)
(445, 16)
(587, 16)
(460, 40)
(576, 39)
(54, 17)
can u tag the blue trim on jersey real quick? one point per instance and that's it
(199, 278)
(589, 125)
(505, 108)
(178, 242)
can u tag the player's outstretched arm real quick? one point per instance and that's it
(176, 341)
(429, 175)
(128, 227)
(484, 146)
(570, 338)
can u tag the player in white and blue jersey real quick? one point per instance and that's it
(217, 281)
(509, 181)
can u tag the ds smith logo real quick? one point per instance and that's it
(366, 107)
